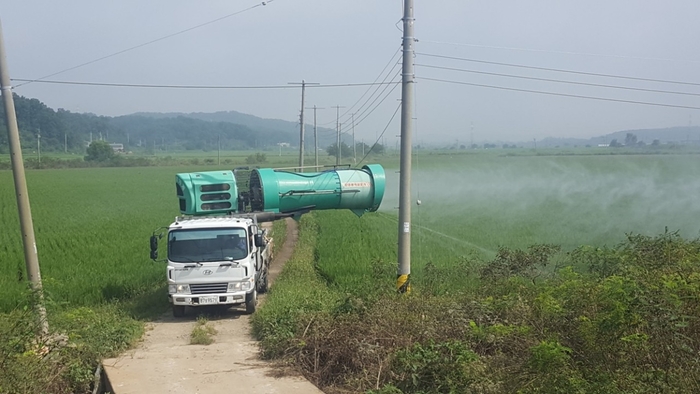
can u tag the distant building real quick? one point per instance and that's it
(117, 147)
(603, 145)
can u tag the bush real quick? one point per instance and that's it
(257, 158)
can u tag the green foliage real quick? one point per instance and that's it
(60, 363)
(99, 151)
(447, 367)
(517, 262)
(257, 158)
(345, 150)
(296, 298)
(202, 333)
(617, 319)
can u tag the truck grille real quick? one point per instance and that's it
(208, 288)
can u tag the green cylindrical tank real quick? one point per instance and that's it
(204, 193)
(360, 190)
(215, 192)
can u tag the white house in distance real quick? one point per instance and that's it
(117, 147)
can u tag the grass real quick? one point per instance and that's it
(202, 333)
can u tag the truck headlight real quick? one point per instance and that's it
(179, 289)
(240, 286)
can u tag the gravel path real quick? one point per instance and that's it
(165, 362)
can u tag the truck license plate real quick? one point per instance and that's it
(208, 300)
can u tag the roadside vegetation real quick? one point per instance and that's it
(202, 333)
(620, 319)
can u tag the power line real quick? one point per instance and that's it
(559, 94)
(376, 106)
(375, 80)
(134, 85)
(147, 43)
(375, 91)
(380, 135)
(558, 80)
(559, 52)
(560, 70)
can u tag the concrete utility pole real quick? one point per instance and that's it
(354, 146)
(403, 284)
(301, 122)
(38, 144)
(315, 136)
(31, 257)
(337, 129)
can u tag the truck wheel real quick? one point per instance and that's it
(178, 310)
(264, 283)
(250, 302)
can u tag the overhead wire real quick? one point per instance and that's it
(369, 111)
(559, 70)
(558, 52)
(380, 135)
(558, 80)
(558, 94)
(134, 85)
(26, 82)
(398, 51)
(391, 60)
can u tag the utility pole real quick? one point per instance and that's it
(301, 122)
(472, 135)
(403, 284)
(65, 142)
(218, 149)
(340, 151)
(315, 136)
(31, 257)
(38, 145)
(354, 146)
(337, 129)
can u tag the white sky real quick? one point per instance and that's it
(336, 42)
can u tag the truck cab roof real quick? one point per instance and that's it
(209, 222)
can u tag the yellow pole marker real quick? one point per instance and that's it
(403, 283)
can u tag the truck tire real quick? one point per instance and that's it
(251, 301)
(264, 284)
(178, 310)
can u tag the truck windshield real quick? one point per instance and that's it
(206, 245)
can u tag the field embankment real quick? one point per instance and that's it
(619, 319)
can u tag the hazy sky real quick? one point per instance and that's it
(340, 42)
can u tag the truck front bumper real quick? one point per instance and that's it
(208, 299)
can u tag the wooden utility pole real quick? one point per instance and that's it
(25, 214)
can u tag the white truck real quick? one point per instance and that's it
(218, 255)
(221, 260)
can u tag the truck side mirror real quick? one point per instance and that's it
(259, 240)
(154, 247)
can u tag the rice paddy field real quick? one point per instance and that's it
(92, 225)
(473, 204)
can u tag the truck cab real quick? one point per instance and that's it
(216, 261)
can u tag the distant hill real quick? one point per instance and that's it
(276, 126)
(679, 135)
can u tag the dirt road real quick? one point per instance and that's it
(165, 362)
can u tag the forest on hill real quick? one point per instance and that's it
(61, 130)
